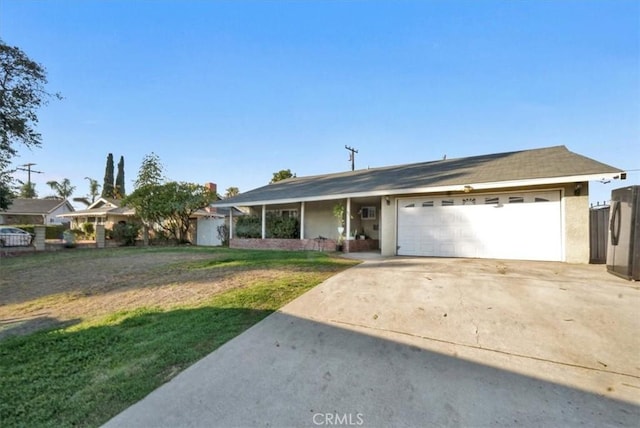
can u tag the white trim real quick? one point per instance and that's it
(264, 221)
(435, 189)
(301, 220)
(348, 217)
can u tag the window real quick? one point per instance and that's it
(516, 199)
(368, 213)
(427, 204)
(469, 201)
(287, 213)
(541, 200)
(410, 206)
(447, 202)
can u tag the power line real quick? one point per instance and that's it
(29, 171)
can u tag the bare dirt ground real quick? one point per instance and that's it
(39, 293)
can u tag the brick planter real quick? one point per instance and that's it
(304, 244)
(284, 244)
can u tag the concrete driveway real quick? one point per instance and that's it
(408, 342)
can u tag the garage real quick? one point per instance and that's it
(524, 226)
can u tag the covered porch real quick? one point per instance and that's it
(321, 225)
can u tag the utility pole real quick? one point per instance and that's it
(352, 156)
(29, 171)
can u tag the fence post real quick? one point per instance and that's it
(39, 240)
(100, 236)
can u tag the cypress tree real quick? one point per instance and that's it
(107, 187)
(119, 190)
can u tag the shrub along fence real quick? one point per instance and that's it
(53, 231)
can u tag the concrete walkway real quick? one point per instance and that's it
(424, 342)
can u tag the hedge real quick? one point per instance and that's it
(52, 231)
(250, 226)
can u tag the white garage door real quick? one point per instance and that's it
(525, 226)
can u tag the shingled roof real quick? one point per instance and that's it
(34, 206)
(538, 166)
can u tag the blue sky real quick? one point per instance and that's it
(233, 91)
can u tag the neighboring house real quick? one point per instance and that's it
(36, 211)
(105, 211)
(530, 205)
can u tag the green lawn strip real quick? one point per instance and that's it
(85, 374)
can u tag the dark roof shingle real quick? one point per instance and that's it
(551, 162)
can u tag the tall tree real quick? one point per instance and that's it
(283, 174)
(63, 189)
(28, 191)
(231, 192)
(107, 186)
(170, 205)
(94, 192)
(151, 171)
(119, 190)
(22, 93)
(94, 188)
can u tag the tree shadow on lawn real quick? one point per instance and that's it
(23, 326)
(82, 376)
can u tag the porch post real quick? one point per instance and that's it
(230, 225)
(301, 220)
(264, 221)
(348, 218)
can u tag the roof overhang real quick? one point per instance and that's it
(433, 189)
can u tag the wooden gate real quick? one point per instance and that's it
(598, 234)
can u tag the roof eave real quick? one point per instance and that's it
(432, 189)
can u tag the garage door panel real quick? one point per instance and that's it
(511, 226)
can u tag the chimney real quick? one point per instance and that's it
(213, 188)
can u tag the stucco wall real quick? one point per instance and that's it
(319, 220)
(576, 224)
(388, 227)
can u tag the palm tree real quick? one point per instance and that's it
(94, 192)
(94, 188)
(63, 189)
(231, 192)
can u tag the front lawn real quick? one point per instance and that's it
(176, 306)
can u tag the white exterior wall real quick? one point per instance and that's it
(52, 219)
(388, 227)
(319, 220)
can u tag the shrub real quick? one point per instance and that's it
(250, 226)
(126, 233)
(53, 231)
(89, 230)
(223, 234)
(282, 227)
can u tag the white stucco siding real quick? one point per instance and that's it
(320, 221)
